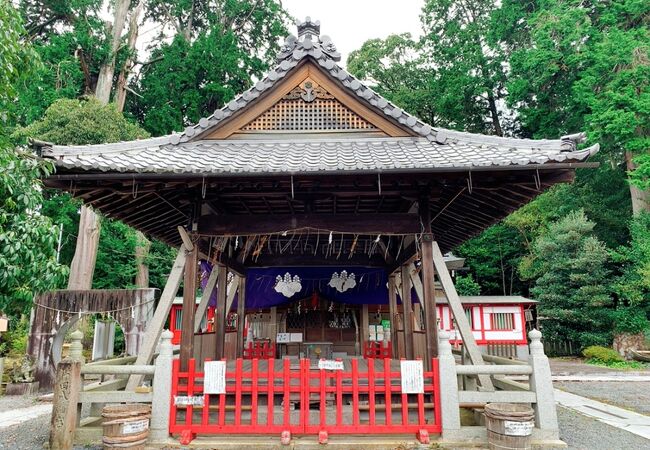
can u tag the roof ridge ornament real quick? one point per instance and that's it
(308, 28)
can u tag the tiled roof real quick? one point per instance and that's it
(307, 156)
(433, 148)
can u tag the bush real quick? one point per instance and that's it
(465, 285)
(602, 355)
(630, 320)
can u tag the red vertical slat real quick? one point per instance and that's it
(254, 393)
(405, 406)
(355, 393)
(189, 411)
(270, 398)
(388, 388)
(305, 383)
(205, 412)
(339, 397)
(238, 382)
(436, 393)
(371, 391)
(175, 380)
(222, 402)
(322, 381)
(286, 382)
(421, 421)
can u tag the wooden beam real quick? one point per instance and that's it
(154, 330)
(428, 286)
(233, 286)
(407, 306)
(241, 314)
(220, 313)
(189, 307)
(365, 327)
(392, 309)
(237, 225)
(186, 238)
(205, 299)
(456, 307)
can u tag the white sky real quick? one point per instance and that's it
(352, 22)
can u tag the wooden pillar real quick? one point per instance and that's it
(189, 306)
(428, 286)
(392, 309)
(407, 307)
(365, 327)
(241, 316)
(220, 312)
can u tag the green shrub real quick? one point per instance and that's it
(602, 355)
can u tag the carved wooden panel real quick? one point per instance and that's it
(308, 107)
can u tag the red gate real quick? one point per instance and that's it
(265, 397)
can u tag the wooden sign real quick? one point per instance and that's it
(214, 380)
(412, 374)
(4, 322)
(329, 364)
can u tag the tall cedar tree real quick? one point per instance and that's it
(569, 266)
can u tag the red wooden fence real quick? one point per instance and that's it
(272, 397)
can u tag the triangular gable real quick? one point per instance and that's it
(308, 57)
(306, 100)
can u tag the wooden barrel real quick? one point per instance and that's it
(125, 426)
(509, 426)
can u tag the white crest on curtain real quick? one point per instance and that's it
(343, 282)
(287, 286)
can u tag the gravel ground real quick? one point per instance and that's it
(29, 435)
(582, 433)
(632, 395)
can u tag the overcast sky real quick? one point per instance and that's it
(352, 22)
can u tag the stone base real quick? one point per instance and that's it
(22, 388)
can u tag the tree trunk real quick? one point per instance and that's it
(494, 113)
(141, 251)
(82, 267)
(107, 70)
(120, 94)
(640, 198)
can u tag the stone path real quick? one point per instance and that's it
(603, 377)
(20, 415)
(632, 422)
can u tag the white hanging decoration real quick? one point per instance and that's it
(343, 282)
(288, 286)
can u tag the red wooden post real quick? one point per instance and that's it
(355, 392)
(270, 389)
(371, 391)
(389, 389)
(254, 393)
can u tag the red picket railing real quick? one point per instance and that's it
(271, 397)
(377, 350)
(260, 350)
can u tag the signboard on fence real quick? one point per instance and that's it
(412, 374)
(214, 381)
(329, 364)
(185, 400)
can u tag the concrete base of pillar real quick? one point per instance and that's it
(471, 437)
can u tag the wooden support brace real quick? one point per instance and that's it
(220, 313)
(189, 308)
(159, 318)
(205, 299)
(241, 315)
(392, 309)
(456, 307)
(408, 313)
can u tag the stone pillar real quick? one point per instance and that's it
(162, 388)
(67, 387)
(542, 384)
(448, 388)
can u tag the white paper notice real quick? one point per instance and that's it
(296, 337)
(283, 338)
(412, 377)
(513, 428)
(184, 400)
(137, 426)
(214, 381)
(329, 364)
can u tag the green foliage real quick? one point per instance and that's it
(493, 257)
(630, 320)
(569, 266)
(633, 284)
(84, 121)
(215, 54)
(465, 285)
(160, 260)
(601, 355)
